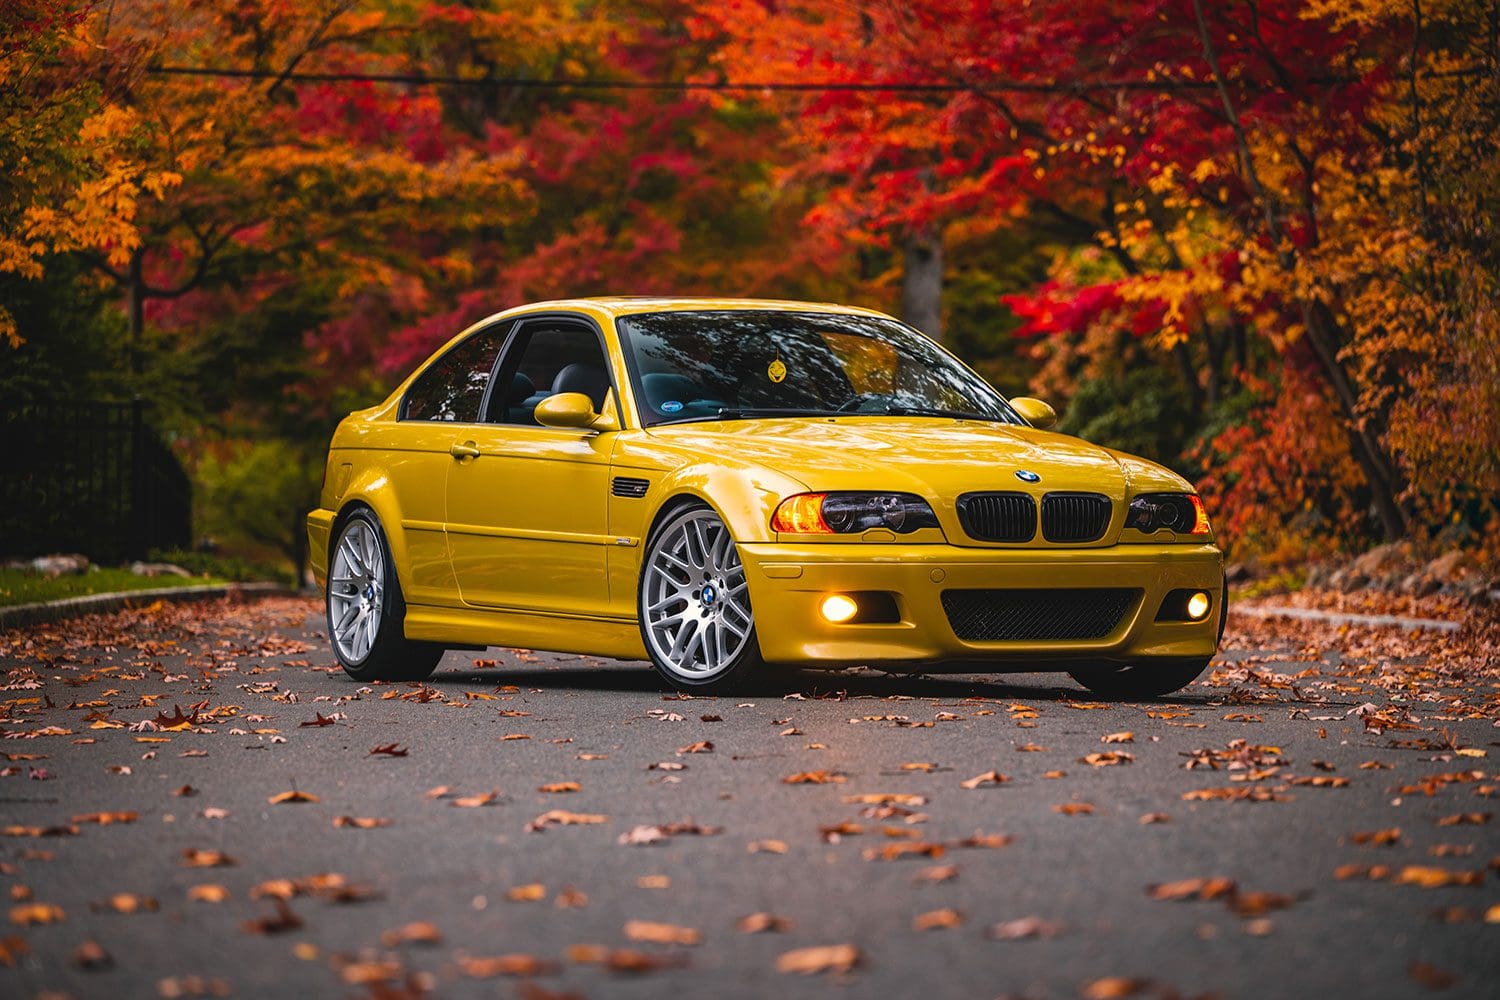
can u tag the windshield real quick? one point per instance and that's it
(742, 363)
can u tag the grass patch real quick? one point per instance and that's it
(19, 586)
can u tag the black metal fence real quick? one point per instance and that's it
(89, 477)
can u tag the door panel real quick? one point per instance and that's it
(526, 505)
(526, 518)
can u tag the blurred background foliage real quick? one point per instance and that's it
(1254, 240)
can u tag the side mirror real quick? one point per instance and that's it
(1037, 413)
(574, 409)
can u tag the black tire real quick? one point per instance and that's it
(389, 656)
(697, 589)
(1145, 679)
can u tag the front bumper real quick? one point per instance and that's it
(788, 581)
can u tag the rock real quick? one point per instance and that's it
(1318, 576)
(1351, 580)
(1236, 573)
(1420, 584)
(157, 569)
(1448, 566)
(60, 563)
(1380, 560)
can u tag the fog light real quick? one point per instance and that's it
(1197, 606)
(838, 608)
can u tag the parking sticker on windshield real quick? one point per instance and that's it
(670, 406)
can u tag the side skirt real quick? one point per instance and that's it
(619, 638)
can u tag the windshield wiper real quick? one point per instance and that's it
(897, 410)
(742, 413)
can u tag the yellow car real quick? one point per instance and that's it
(720, 484)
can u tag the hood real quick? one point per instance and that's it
(936, 459)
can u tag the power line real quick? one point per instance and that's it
(682, 86)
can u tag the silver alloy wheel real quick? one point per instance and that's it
(694, 599)
(356, 590)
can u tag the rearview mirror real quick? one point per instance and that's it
(1037, 413)
(573, 409)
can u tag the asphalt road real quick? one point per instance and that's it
(1072, 882)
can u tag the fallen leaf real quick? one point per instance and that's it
(937, 920)
(1431, 877)
(656, 933)
(1381, 838)
(1193, 888)
(1024, 927)
(1154, 817)
(886, 799)
(198, 858)
(360, 822)
(290, 797)
(561, 817)
(822, 958)
(30, 914)
(913, 849)
(388, 750)
(127, 902)
(654, 882)
(559, 787)
(570, 897)
(106, 818)
(505, 965)
(1107, 758)
(989, 840)
(475, 801)
(1126, 737)
(650, 834)
(814, 778)
(702, 746)
(1074, 809)
(937, 873)
(987, 778)
(1459, 819)
(762, 923)
(767, 847)
(1431, 976)
(529, 893)
(207, 892)
(1114, 988)
(280, 922)
(91, 955)
(319, 719)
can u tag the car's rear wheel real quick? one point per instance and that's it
(1145, 679)
(366, 609)
(694, 605)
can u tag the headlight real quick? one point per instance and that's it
(1182, 513)
(851, 513)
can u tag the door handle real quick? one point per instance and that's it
(464, 450)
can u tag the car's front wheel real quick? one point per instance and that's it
(694, 605)
(1145, 679)
(366, 610)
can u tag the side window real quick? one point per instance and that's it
(452, 386)
(549, 357)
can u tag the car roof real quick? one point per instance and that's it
(625, 305)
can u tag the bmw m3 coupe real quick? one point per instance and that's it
(719, 485)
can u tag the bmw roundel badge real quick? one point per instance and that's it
(1027, 476)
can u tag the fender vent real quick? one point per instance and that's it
(624, 486)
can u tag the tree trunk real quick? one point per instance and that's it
(922, 283)
(136, 292)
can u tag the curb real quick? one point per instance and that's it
(43, 612)
(1348, 618)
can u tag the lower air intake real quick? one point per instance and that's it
(1038, 615)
